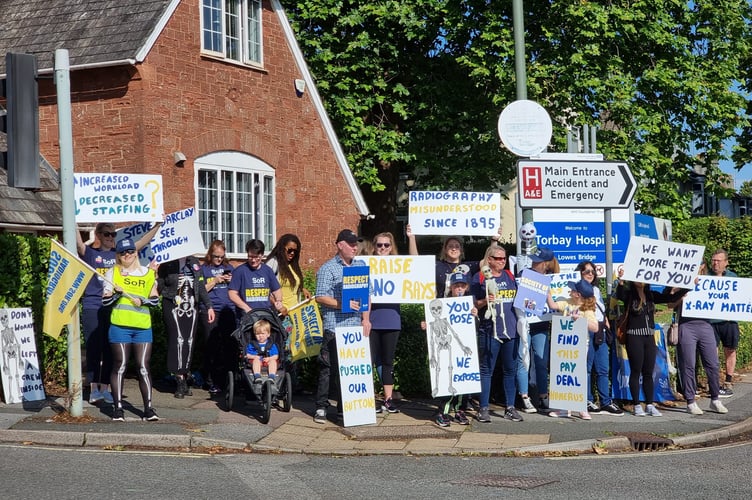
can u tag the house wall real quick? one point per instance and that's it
(132, 119)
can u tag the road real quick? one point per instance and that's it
(55, 473)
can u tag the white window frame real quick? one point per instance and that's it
(228, 213)
(241, 22)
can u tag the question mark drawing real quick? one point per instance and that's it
(153, 194)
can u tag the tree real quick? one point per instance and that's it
(746, 189)
(417, 86)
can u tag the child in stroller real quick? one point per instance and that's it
(262, 352)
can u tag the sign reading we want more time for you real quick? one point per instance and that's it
(454, 212)
(666, 263)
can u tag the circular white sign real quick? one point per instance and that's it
(525, 128)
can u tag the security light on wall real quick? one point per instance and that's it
(179, 159)
(299, 87)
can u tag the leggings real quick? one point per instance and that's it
(120, 355)
(383, 346)
(180, 324)
(641, 351)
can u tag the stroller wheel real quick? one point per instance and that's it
(230, 391)
(266, 401)
(285, 393)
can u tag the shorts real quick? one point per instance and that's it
(127, 335)
(727, 333)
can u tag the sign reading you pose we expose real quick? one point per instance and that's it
(666, 263)
(454, 212)
(118, 198)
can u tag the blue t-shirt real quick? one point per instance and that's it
(254, 285)
(101, 261)
(218, 294)
(385, 317)
(507, 290)
(273, 350)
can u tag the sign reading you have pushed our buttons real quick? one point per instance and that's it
(574, 184)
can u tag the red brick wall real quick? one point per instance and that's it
(132, 120)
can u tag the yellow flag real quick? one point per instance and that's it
(67, 277)
(307, 330)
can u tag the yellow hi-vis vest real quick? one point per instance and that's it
(125, 312)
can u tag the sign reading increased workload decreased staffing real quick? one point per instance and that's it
(574, 184)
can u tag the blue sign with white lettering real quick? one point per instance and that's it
(573, 242)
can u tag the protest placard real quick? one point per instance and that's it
(355, 287)
(355, 376)
(400, 279)
(568, 374)
(532, 292)
(307, 330)
(658, 262)
(452, 346)
(118, 197)
(19, 365)
(454, 212)
(719, 297)
(559, 291)
(179, 236)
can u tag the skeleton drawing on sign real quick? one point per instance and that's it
(441, 333)
(12, 363)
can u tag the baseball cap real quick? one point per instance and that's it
(347, 236)
(458, 278)
(124, 244)
(582, 287)
(542, 254)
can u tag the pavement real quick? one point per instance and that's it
(199, 423)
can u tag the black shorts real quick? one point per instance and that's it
(727, 333)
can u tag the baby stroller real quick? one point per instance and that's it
(271, 392)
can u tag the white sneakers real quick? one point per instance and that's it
(97, 396)
(717, 406)
(652, 411)
(694, 409)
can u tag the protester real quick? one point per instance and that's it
(726, 332)
(329, 296)
(639, 302)
(130, 323)
(182, 286)
(95, 318)
(597, 355)
(497, 332)
(386, 324)
(253, 284)
(220, 350)
(534, 344)
(284, 260)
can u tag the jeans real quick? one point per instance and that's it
(540, 347)
(597, 358)
(489, 349)
(328, 370)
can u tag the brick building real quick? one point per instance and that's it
(221, 84)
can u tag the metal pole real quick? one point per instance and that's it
(65, 131)
(518, 26)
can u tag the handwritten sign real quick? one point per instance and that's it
(179, 236)
(397, 279)
(355, 282)
(355, 376)
(19, 365)
(569, 345)
(452, 347)
(532, 292)
(719, 297)
(118, 198)
(454, 212)
(665, 263)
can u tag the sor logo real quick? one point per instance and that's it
(257, 281)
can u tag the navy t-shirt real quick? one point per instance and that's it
(101, 261)
(218, 294)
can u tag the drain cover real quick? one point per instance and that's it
(642, 441)
(519, 482)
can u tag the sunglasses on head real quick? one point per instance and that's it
(383, 245)
(108, 234)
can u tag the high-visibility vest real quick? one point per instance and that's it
(125, 312)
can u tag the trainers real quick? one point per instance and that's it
(320, 416)
(591, 408)
(652, 411)
(461, 418)
(118, 415)
(559, 414)
(717, 406)
(483, 415)
(214, 390)
(725, 392)
(389, 406)
(585, 415)
(107, 397)
(638, 411)
(150, 415)
(511, 414)
(694, 409)
(543, 403)
(441, 420)
(378, 407)
(527, 405)
(611, 409)
(95, 397)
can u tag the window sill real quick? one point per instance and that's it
(252, 66)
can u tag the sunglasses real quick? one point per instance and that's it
(383, 245)
(108, 234)
(496, 258)
(291, 250)
(128, 252)
(588, 271)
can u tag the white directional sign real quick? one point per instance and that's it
(574, 184)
